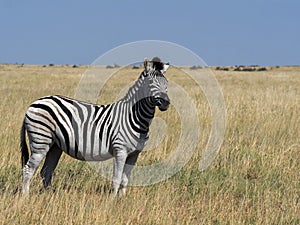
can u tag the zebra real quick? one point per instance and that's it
(90, 132)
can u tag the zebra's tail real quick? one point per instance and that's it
(23, 146)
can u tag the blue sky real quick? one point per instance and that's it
(232, 32)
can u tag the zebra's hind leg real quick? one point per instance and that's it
(30, 168)
(50, 164)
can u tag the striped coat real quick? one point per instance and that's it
(90, 132)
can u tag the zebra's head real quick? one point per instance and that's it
(156, 83)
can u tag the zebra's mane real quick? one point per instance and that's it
(134, 88)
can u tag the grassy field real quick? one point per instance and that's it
(255, 178)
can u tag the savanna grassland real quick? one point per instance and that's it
(255, 178)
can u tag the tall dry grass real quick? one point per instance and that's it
(255, 178)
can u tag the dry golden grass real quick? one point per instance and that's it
(255, 178)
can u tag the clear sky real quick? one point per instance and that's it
(224, 32)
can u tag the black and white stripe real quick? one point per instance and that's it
(93, 132)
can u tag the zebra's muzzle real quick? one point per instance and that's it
(162, 102)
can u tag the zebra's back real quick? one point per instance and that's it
(80, 129)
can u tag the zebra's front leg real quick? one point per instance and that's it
(129, 164)
(119, 162)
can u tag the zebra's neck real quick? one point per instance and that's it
(141, 107)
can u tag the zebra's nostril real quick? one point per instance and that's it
(162, 103)
(158, 101)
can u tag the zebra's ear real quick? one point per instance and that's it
(166, 66)
(147, 64)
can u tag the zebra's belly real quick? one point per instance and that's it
(100, 157)
(88, 150)
(88, 155)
